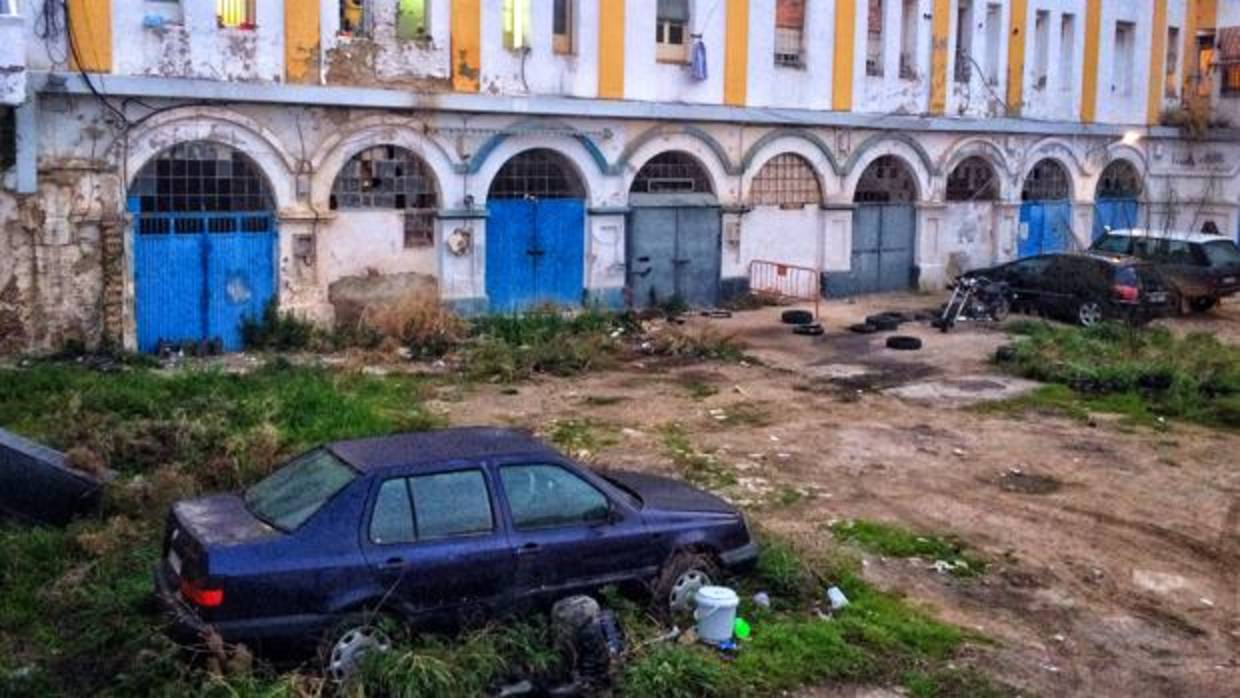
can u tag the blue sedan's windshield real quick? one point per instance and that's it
(290, 495)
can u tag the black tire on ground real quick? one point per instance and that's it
(883, 322)
(677, 571)
(863, 328)
(797, 317)
(902, 342)
(813, 329)
(1005, 354)
(1202, 304)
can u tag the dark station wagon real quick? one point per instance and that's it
(424, 526)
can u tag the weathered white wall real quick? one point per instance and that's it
(359, 243)
(1060, 99)
(12, 60)
(196, 46)
(647, 79)
(890, 93)
(806, 87)
(1114, 105)
(979, 96)
(545, 72)
(787, 236)
(381, 57)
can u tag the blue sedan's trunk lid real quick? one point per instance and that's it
(668, 494)
(221, 520)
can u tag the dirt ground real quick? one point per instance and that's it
(1115, 551)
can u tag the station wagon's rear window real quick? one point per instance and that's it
(1222, 252)
(290, 495)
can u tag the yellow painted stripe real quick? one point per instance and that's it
(90, 30)
(736, 53)
(940, 30)
(1089, 69)
(611, 49)
(466, 44)
(1206, 13)
(1017, 24)
(1200, 15)
(845, 52)
(301, 40)
(1158, 62)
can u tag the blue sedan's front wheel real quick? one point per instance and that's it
(682, 575)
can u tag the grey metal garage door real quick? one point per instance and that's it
(883, 239)
(673, 253)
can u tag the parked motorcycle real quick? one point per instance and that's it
(977, 299)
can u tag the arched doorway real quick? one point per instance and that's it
(785, 221)
(673, 250)
(884, 231)
(1117, 198)
(1045, 210)
(204, 245)
(535, 232)
(968, 239)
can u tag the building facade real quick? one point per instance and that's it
(175, 166)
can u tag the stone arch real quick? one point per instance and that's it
(551, 128)
(1066, 155)
(1041, 177)
(212, 125)
(570, 149)
(785, 179)
(805, 143)
(1120, 179)
(910, 153)
(716, 164)
(908, 174)
(573, 182)
(987, 150)
(795, 142)
(342, 147)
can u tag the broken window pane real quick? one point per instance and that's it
(1048, 181)
(973, 180)
(886, 180)
(874, 39)
(540, 174)
(669, 172)
(786, 180)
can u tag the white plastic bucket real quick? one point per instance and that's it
(715, 613)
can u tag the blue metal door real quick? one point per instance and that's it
(1116, 214)
(1045, 227)
(535, 251)
(883, 256)
(197, 275)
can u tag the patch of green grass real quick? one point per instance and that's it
(578, 435)
(698, 389)
(674, 671)
(893, 541)
(695, 466)
(745, 414)
(1141, 373)
(507, 348)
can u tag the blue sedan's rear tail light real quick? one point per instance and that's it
(206, 598)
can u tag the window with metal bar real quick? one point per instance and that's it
(786, 180)
(672, 31)
(973, 180)
(537, 174)
(389, 177)
(672, 172)
(874, 39)
(1047, 181)
(887, 180)
(236, 14)
(1120, 180)
(201, 178)
(789, 29)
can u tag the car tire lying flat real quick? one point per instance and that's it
(885, 322)
(902, 342)
(796, 317)
(863, 328)
(813, 329)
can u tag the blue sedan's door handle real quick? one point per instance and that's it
(528, 549)
(393, 564)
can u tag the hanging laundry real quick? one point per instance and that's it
(697, 63)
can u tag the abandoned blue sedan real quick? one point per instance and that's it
(418, 527)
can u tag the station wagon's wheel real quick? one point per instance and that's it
(1089, 313)
(1202, 304)
(680, 580)
(349, 641)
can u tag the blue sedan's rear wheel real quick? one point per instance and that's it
(682, 575)
(346, 645)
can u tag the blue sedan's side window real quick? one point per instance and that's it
(451, 504)
(548, 495)
(392, 519)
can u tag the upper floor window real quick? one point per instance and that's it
(8, 7)
(1125, 54)
(994, 32)
(516, 24)
(874, 39)
(354, 18)
(964, 41)
(1067, 51)
(910, 18)
(563, 15)
(411, 20)
(1228, 43)
(1041, 48)
(1171, 87)
(672, 31)
(239, 14)
(789, 30)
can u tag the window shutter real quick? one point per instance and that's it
(790, 14)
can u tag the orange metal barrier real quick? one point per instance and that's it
(785, 281)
